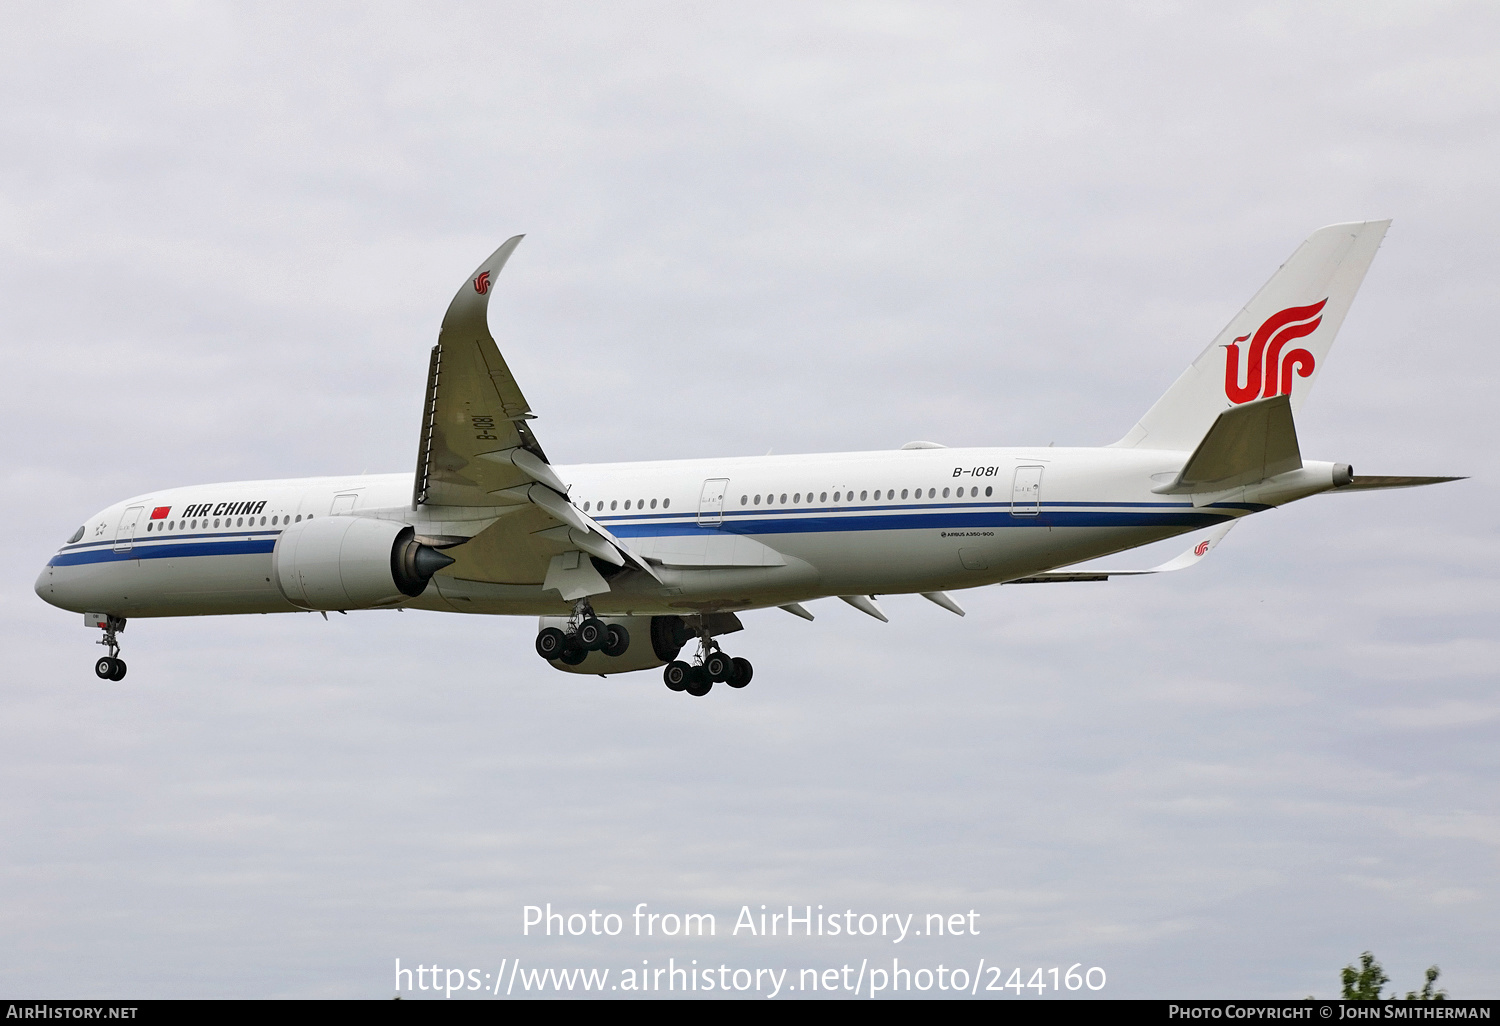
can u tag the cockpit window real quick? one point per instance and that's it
(76, 535)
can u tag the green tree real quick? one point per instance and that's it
(1364, 983)
(1427, 993)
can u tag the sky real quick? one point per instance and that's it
(227, 237)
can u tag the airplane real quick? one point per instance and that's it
(624, 564)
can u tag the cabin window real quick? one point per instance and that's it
(945, 493)
(653, 503)
(797, 497)
(149, 525)
(299, 518)
(744, 500)
(585, 507)
(757, 500)
(627, 503)
(863, 496)
(823, 497)
(216, 523)
(783, 498)
(665, 503)
(614, 503)
(988, 491)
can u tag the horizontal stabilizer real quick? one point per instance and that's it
(1246, 444)
(1371, 481)
(1202, 546)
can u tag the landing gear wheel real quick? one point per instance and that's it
(593, 634)
(550, 643)
(740, 672)
(619, 641)
(676, 674)
(119, 671)
(573, 656)
(718, 666)
(699, 682)
(104, 669)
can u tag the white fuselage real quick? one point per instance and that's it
(791, 528)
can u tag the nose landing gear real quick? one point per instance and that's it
(110, 667)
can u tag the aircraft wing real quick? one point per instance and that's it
(474, 415)
(476, 450)
(1191, 556)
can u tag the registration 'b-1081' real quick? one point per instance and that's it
(627, 565)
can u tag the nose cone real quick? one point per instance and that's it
(44, 587)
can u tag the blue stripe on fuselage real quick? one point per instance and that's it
(800, 522)
(752, 522)
(228, 547)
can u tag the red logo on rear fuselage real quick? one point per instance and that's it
(1200, 548)
(1267, 371)
(482, 283)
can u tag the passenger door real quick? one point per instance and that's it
(1026, 492)
(711, 502)
(125, 533)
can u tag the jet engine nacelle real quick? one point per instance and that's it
(352, 563)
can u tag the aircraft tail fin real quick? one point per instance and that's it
(1274, 346)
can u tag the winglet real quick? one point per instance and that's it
(467, 320)
(466, 314)
(1202, 546)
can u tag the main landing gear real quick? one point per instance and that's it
(586, 633)
(712, 665)
(110, 667)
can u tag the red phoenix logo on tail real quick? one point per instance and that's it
(1267, 371)
(482, 283)
(1200, 548)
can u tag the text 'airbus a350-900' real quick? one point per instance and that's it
(627, 563)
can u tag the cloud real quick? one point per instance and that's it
(230, 236)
